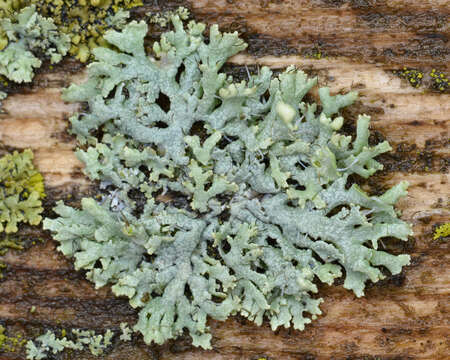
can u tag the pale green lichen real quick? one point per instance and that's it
(3, 96)
(220, 198)
(126, 332)
(21, 191)
(29, 35)
(49, 343)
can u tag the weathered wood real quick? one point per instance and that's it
(402, 317)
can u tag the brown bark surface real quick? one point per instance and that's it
(361, 43)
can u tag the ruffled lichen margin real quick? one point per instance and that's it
(220, 198)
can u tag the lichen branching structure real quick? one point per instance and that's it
(220, 197)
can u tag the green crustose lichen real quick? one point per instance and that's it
(219, 198)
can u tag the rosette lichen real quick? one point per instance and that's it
(220, 197)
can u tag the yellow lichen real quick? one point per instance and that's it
(442, 231)
(18, 175)
(439, 81)
(21, 191)
(315, 53)
(413, 76)
(10, 344)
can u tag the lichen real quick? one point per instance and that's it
(413, 76)
(439, 81)
(26, 36)
(10, 343)
(163, 18)
(219, 198)
(125, 332)
(442, 231)
(3, 96)
(21, 191)
(42, 346)
(9, 7)
(435, 80)
(315, 53)
(86, 21)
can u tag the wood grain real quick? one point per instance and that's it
(362, 42)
